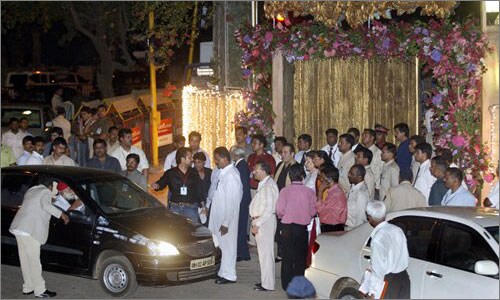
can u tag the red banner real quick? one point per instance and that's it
(165, 132)
(136, 136)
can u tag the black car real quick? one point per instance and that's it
(123, 236)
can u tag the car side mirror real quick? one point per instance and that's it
(486, 267)
(78, 216)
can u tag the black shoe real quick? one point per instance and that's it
(261, 289)
(223, 281)
(242, 259)
(46, 294)
(258, 284)
(277, 259)
(27, 294)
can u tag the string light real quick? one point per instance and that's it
(493, 131)
(211, 113)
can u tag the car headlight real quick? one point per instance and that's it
(159, 248)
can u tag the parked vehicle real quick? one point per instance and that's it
(123, 237)
(38, 114)
(453, 254)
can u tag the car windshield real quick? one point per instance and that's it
(493, 231)
(118, 195)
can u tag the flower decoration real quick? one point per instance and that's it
(451, 53)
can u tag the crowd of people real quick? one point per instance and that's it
(258, 197)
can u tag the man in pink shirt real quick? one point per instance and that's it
(332, 202)
(295, 207)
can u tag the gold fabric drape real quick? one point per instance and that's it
(347, 93)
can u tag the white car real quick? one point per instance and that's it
(453, 254)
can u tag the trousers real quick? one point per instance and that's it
(294, 238)
(398, 285)
(31, 268)
(265, 248)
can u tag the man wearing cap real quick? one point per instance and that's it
(380, 135)
(31, 229)
(66, 198)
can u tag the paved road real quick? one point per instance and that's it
(77, 288)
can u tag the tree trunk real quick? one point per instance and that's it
(105, 70)
(36, 51)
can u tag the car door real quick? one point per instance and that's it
(452, 275)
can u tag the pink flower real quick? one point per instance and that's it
(329, 53)
(255, 52)
(268, 37)
(458, 141)
(477, 149)
(489, 177)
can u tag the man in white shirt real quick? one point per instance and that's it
(112, 140)
(389, 254)
(346, 161)
(354, 132)
(126, 148)
(304, 143)
(390, 170)
(224, 212)
(457, 195)
(492, 199)
(57, 99)
(36, 157)
(28, 149)
(424, 179)
(61, 122)
(331, 147)
(414, 141)
(179, 142)
(194, 139)
(24, 124)
(357, 198)
(364, 157)
(58, 156)
(369, 138)
(14, 138)
(241, 136)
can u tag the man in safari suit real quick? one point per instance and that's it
(31, 229)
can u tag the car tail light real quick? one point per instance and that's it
(315, 247)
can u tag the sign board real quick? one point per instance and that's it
(136, 136)
(165, 132)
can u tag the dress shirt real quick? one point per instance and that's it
(263, 205)
(281, 177)
(61, 122)
(414, 167)
(346, 162)
(356, 205)
(403, 157)
(110, 164)
(438, 190)
(335, 153)
(310, 180)
(226, 199)
(35, 159)
(7, 157)
(101, 126)
(56, 101)
(14, 141)
(461, 197)
(493, 196)
(21, 160)
(296, 204)
(277, 157)
(389, 251)
(388, 178)
(214, 178)
(404, 196)
(64, 160)
(377, 164)
(136, 177)
(332, 209)
(253, 159)
(112, 147)
(170, 161)
(121, 155)
(175, 179)
(424, 180)
(370, 182)
(299, 156)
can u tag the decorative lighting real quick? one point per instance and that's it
(491, 6)
(280, 18)
(493, 131)
(355, 12)
(211, 113)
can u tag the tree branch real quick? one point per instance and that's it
(78, 24)
(122, 25)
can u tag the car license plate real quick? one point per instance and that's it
(202, 262)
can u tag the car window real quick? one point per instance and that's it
(118, 195)
(461, 247)
(14, 186)
(493, 231)
(35, 78)
(18, 80)
(33, 116)
(418, 231)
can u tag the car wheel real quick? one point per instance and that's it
(349, 293)
(117, 276)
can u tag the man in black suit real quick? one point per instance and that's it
(238, 157)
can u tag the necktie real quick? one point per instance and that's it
(416, 176)
(303, 160)
(330, 153)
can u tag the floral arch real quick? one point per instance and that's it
(452, 53)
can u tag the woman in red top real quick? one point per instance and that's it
(331, 203)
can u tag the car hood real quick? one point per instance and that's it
(161, 225)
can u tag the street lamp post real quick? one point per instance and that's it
(154, 117)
